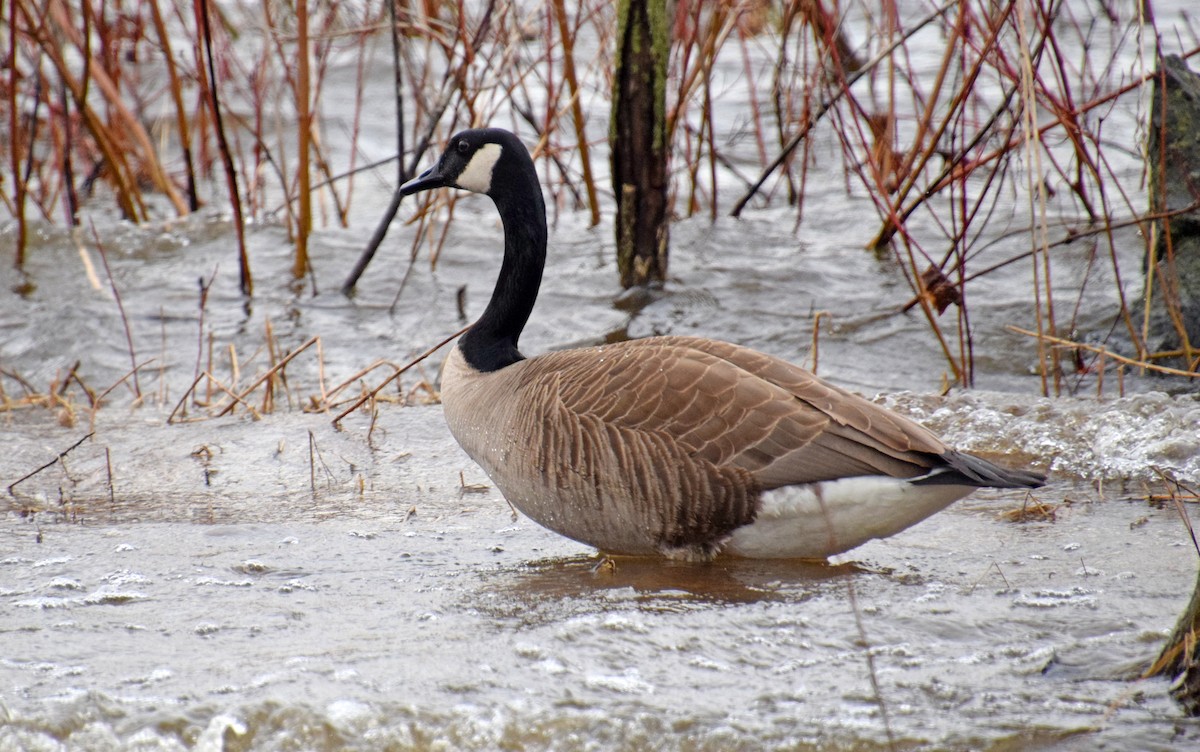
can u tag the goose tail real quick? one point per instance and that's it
(961, 469)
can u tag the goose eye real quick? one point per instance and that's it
(463, 147)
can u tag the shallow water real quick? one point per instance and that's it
(279, 584)
(416, 613)
(238, 590)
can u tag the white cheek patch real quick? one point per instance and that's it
(477, 176)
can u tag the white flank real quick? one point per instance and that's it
(822, 519)
(477, 175)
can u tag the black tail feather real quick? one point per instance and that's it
(961, 469)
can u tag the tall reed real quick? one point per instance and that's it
(1018, 98)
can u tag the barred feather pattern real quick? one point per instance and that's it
(666, 444)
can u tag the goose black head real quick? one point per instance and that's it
(470, 162)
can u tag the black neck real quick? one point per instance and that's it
(491, 344)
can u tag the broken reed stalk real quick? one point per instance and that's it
(180, 405)
(321, 53)
(568, 45)
(109, 475)
(97, 400)
(917, 159)
(1059, 342)
(204, 288)
(883, 171)
(269, 374)
(268, 400)
(422, 145)
(833, 98)
(181, 116)
(454, 89)
(816, 337)
(333, 393)
(120, 173)
(127, 122)
(209, 368)
(304, 133)
(64, 145)
(399, 372)
(163, 360)
(1036, 191)
(15, 139)
(869, 655)
(58, 458)
(312, 465)
(212, 381)
(324, 398)
(112, 283)
(208, 82)
(30, 390)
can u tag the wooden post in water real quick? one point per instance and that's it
(639, 141)
(1170, 306)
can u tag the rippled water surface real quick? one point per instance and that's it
(277, 584)
(426, 616)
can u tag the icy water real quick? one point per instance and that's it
(280, 584)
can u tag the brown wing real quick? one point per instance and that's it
(731, 407)
(856, 436)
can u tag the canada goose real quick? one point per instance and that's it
(680, 446)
